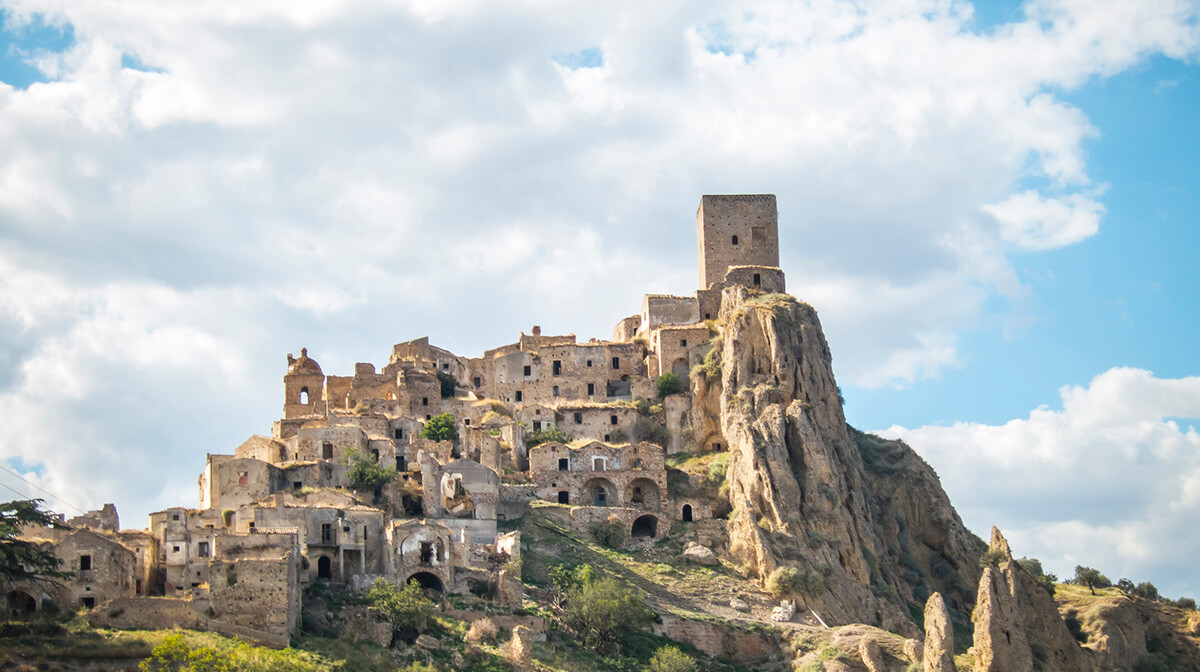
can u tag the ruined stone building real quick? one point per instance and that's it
(280, 513)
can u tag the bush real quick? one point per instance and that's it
(609, 533)
(787, 582)
(1146, 590)
(671, 659)
(599, 611)
(668, 384)
(716, 470)
(448, 382)
(407, 608)
(440, 428)
(367, 475)
(650, 431)
(177, 654)
(1186, 603)
(567, 578)
(546, 435)
(483, 630)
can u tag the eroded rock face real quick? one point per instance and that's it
(797, 482)
(1017, 625)
(939, 636)
(699, 555)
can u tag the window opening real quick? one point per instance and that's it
(426, 552)
(616, 362)
(612, 419)
(326, 533)
(478, 381)
(597, 464)
(579, 418)
(564, 497)
(591, 389)
(327, 450)
(735, 242)
(243, 478)
(554, 392)
(202, 549)
(562, 464)
(599, 496)
(528, 370)
(519, 395)
(424, 401)
(85, 563)
(556, 368)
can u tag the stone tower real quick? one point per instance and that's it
(736, 230)
(303, 387)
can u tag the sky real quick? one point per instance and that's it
(992, 206)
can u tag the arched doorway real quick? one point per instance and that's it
(600, 492)
(687, 513)
(324, 567)
(643, 493)
(680, 368)
(428, 581)
(645, 526)
(19, 603)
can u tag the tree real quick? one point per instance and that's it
(671, 659)
(22, 560)
(368, 475)
(407, 608)
(440, 427)
(448, 383)
(668, 384)
(787, 582)
(1146, 590)
(1092, 578)
(600, 610)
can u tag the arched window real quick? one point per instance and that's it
(304, 395)
(735, 240)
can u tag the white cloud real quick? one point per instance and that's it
(354, 174)
(1111, 480)
(1031, 221)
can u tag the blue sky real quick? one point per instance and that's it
(993, 207)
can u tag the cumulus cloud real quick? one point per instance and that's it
(235, 182)
(1110, 480)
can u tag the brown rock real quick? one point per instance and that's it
(868, 650)
(520, 649)
(939, 636)
(1015, 616)
(913, 650)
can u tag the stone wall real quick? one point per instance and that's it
(624, 473)
(145, 613)
(723, 641)
(260, 594)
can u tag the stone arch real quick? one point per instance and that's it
(427, 581)
(324, 567)
(304, 395)
(19, 603)
(644, 526)
(681, 369)
(686, 513)
(600, 492)
(643, 493)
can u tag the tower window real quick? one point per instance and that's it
(304, 395)
(735, 240)
(591, 389)
(557, 368)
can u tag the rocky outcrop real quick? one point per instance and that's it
(868, 651)
(700, 555)
(798, 484)
(1017, 625)
(939, 636)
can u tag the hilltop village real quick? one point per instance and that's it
(546, 418)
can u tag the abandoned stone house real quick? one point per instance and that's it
(278, 513)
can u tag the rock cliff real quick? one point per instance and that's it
(801, 491)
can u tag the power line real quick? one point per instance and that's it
(36, 487)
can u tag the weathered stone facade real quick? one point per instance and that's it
(280, 513)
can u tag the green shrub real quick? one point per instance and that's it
(787, 582)
(367, 475)
(407, 608)
(670, 659)
(650, 431)
(440, 427)
(599, 611)
(448, 383)
(567, 578)
(546, 435)
(609, 533)
(717, 468)
(668, 384)
(1092, 578)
